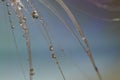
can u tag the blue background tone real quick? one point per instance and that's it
(103, 37)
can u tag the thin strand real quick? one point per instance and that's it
(50, 41)
(71, 16)
(48, 5)
(17, 6)
(14, 39)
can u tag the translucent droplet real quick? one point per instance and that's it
(31, 69)
(35, 14)
(51, 48)
(12, 27)
(53, 56)
(83, 38)
(7, 4)
(20, 5)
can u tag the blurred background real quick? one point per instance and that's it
(99, 21)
